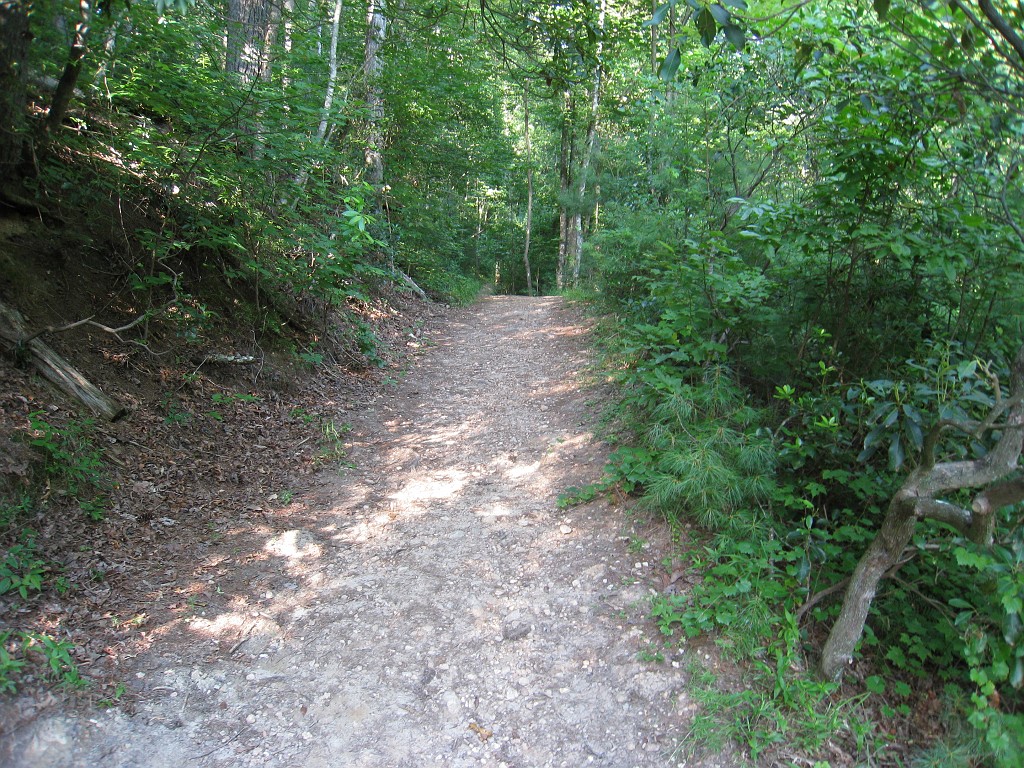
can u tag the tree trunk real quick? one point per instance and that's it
(576, 248)
(529, 188)
(324, 126)
(481, 217)
(996, 474)
(1006, 31)
(376, 30)
(564, 179)
(332, 75)
(654, 40)
(882, 554)
(288, 38)
(72, 69)
(109, 45)
(248, 30)
(14, 40)
(588, 148)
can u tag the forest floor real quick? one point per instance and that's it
(419, 598)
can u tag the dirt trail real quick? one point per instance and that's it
(442, 610)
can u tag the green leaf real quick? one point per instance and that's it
(897, 657)
(894, 414)
(670, 66)
(882, 7)
(721, 15)
(735, 35)
(741, 4)
(1017, 678)
(1012, 604)
(966, 368)
(913, 430)
(871, 443)
(875, 684)
(803, 569)
(802, 57)
(967, 40)
(706, 26)
(1011, 628)
(880, 386)
(970, 559)
(897, 453)
(658, 16)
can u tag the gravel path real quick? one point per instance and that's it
(441, 611)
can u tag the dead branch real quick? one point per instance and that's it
(55, 368)
(92, 323)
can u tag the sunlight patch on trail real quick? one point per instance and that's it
(440, 485)
(496, 510)
(519, 471)
(294, 544)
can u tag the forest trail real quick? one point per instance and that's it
(441, 611)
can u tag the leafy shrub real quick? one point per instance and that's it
(21, 569)
(990, 616)
(24, 652)
(71, 457)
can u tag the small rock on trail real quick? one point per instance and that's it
(442, 610)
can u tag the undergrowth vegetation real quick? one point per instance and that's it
(68, 466)
(792, 324)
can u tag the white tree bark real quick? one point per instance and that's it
(324, 126)
(564, 179)
(332, 74)
(573, 173)
(288, 32)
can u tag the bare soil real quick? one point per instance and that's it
(415, 596)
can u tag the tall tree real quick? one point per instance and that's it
(332, 74)
(14, 42)
(528, 227)
(248, 39)
(376, 30)
(589, 142)
(565, 161)
(72, 68)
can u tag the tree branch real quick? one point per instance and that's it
(944, 512)
(1002, 26)
(989, 501)
(986, 30)
(89, 321)
(1010, 218)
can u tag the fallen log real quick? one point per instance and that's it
(55, 368)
